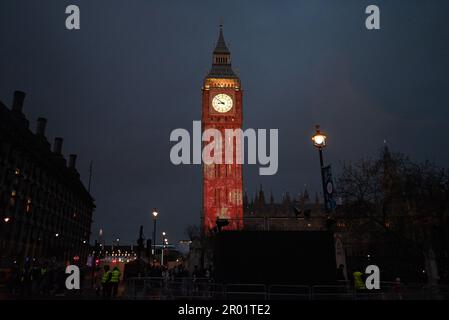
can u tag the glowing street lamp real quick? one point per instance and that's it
(319, 141)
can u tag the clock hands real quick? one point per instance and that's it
(220, 101)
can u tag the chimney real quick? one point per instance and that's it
(72, 161)
(57, 146)
(41, 124)
(17, 103)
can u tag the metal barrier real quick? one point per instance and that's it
(289, 292)
(332, 292)
(155, 288)
(246, 291)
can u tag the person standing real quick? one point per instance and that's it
(115, 280)
(359, 284)
(106, 282)
(341, 273)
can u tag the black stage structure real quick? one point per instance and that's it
(275, 257)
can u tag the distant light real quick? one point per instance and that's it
(163, 233)
(84, 241)
(6, 219)
(155, 213)
(368, 256)
(57, 235)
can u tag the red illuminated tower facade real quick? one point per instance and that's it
(221, 110)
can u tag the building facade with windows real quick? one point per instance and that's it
(45, 210)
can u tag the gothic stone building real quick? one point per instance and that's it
(291, 214)
(45, 210)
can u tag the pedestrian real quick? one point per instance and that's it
(359, 284)
(35, 278)
(341, 273)
(398, 289)
(106, 282)
(26, 280)
(44, 285)
(197, 275)
(115, 280)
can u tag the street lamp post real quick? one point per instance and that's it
(165, 242)
(319, 141)
(163, 247)
(118, 243)
(155, 213)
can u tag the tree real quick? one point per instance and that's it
(395, 202)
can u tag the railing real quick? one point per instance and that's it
(205, 289)
(246, 292)
(182, 288)
(289, 292)
(276, 223)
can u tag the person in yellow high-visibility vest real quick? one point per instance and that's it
(106, 282)
(359, 284)
(115, 280)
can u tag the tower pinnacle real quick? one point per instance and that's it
(221, 62)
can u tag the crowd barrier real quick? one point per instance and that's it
(155, 288)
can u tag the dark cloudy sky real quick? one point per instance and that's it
(117, 88)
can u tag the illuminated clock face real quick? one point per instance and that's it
(222, 103)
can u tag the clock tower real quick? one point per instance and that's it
(221, 110)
